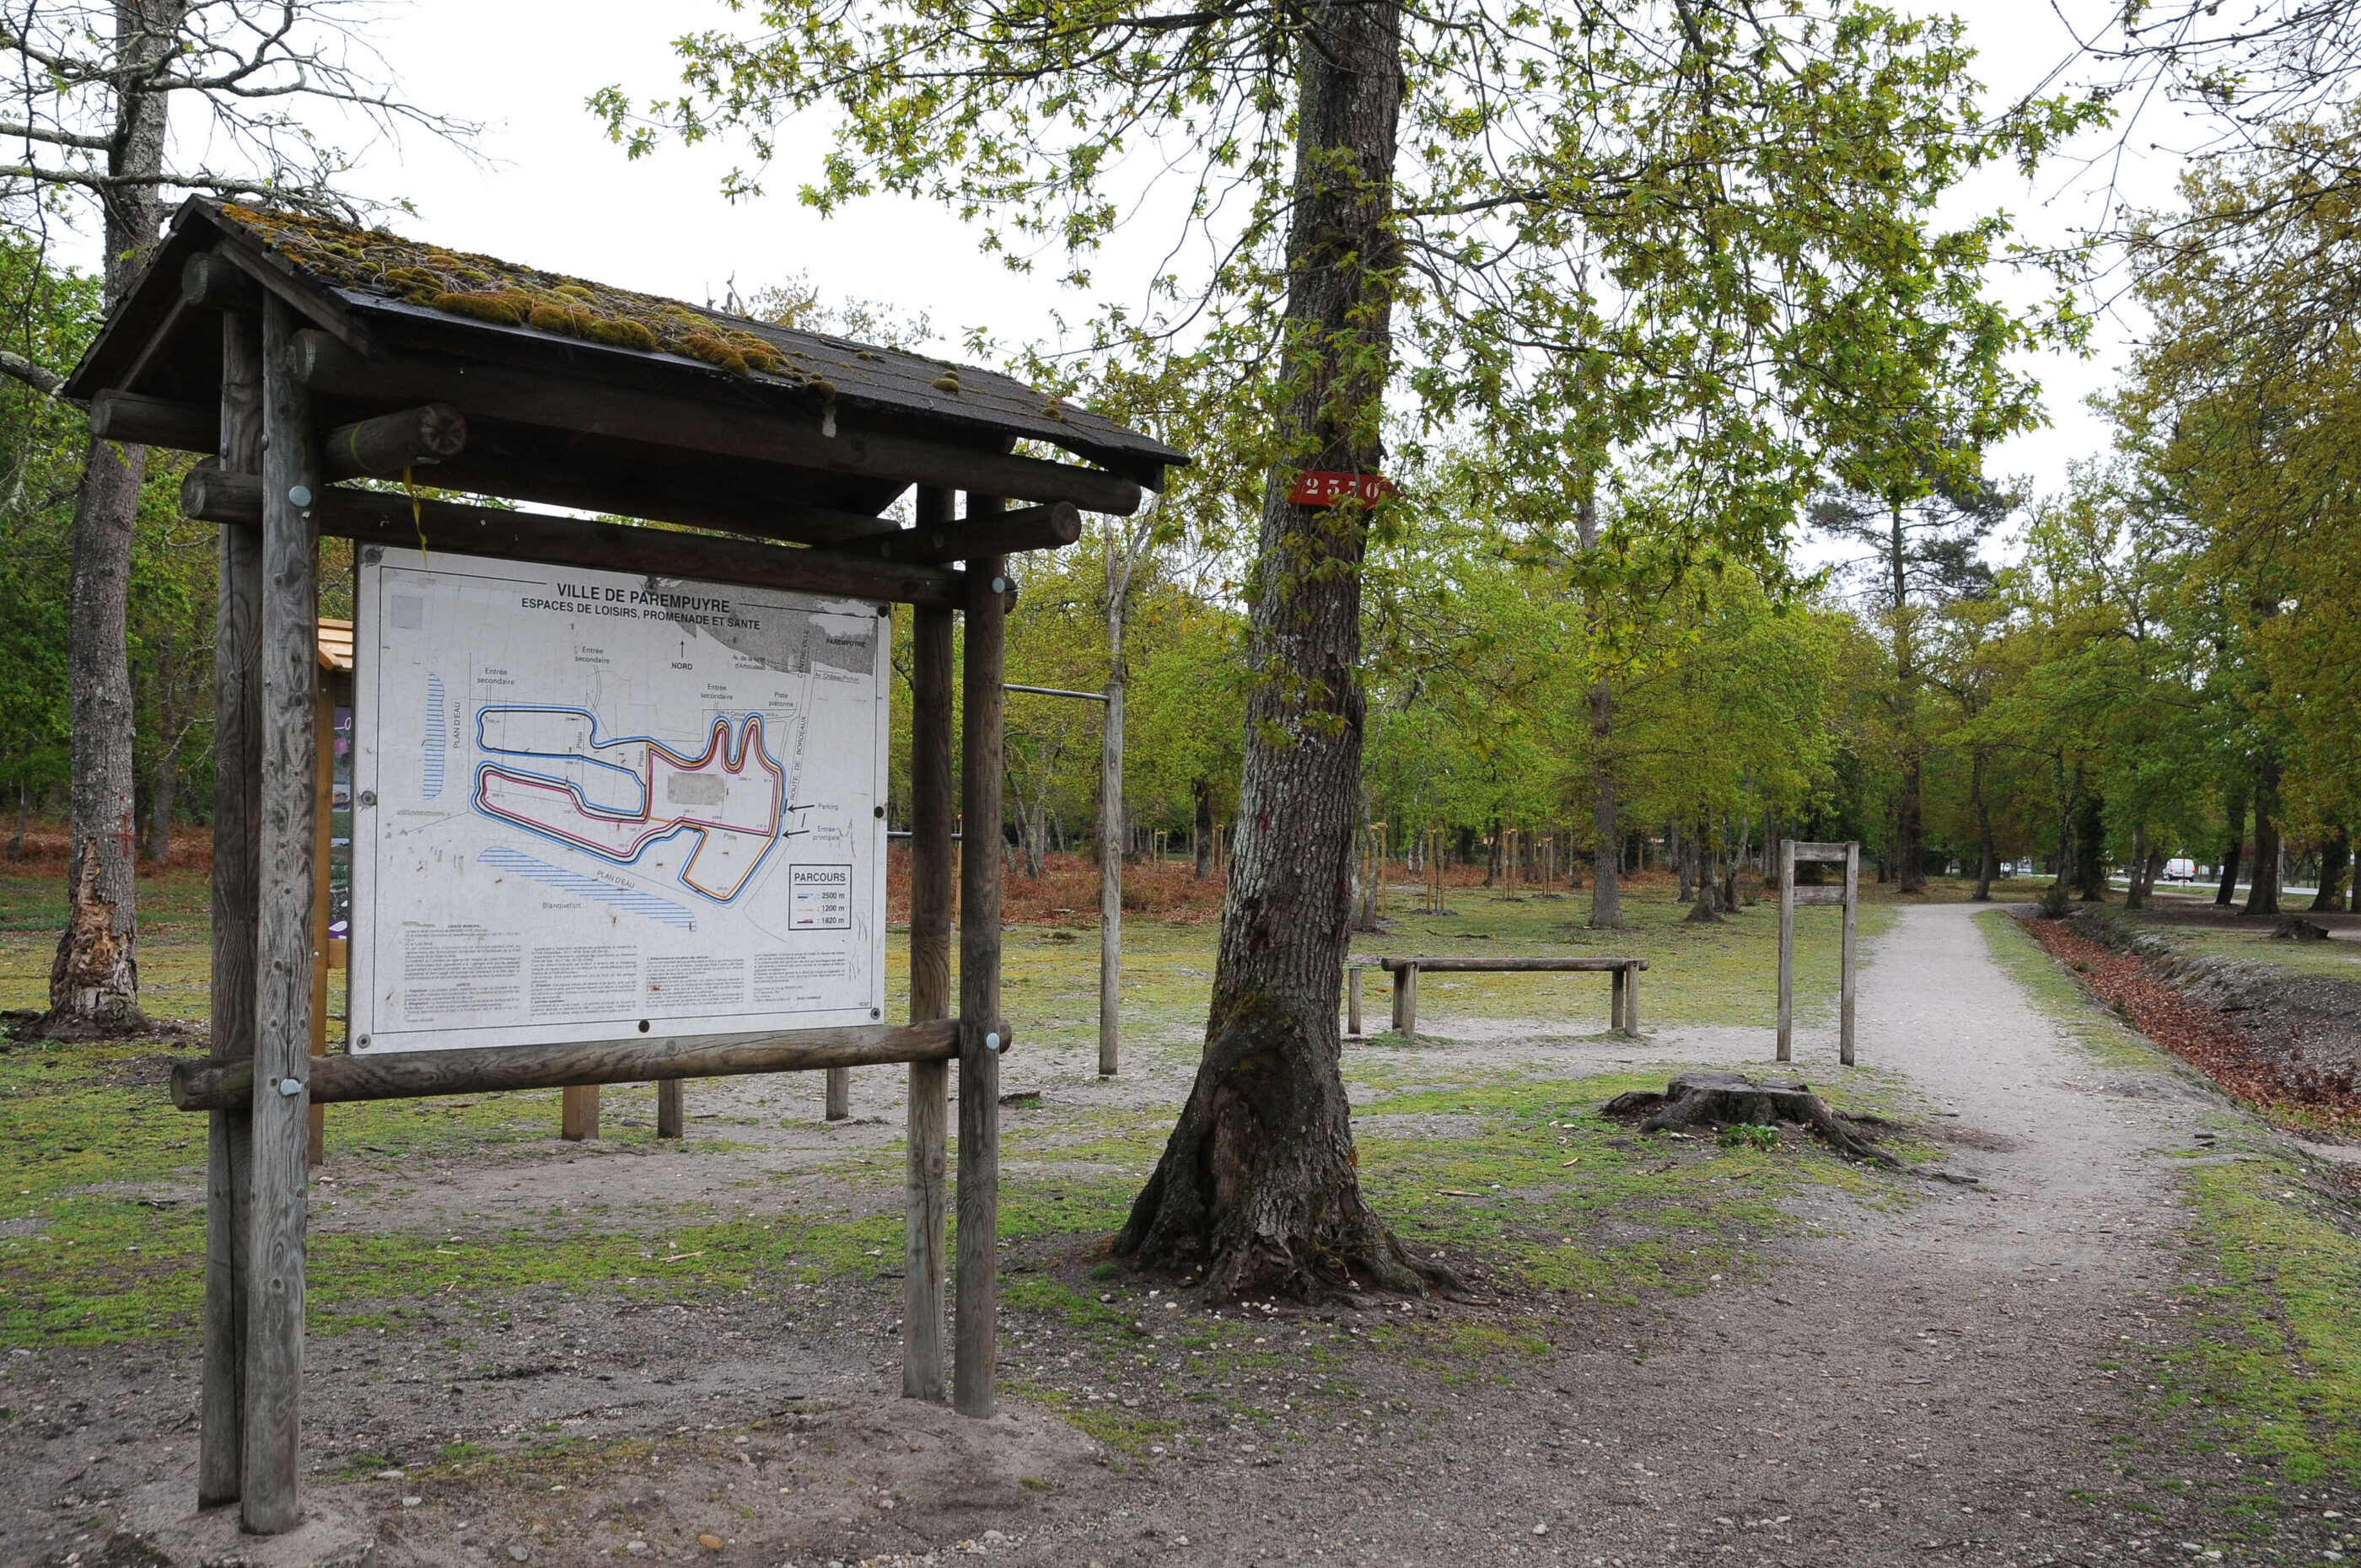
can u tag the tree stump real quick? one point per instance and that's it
(2296, 928)
(1729, 1099)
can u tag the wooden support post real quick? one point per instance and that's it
(1353, 1003)
(1406, 1000)
(672, 1114)
(1631, 1003)
(1852, 905)
(926, 1165)
(1786, 950)
(236, 899)
(315, 1131)
(978, 1290)
(1615, 1000)
(837, 1100)
(577, 1113)
(269, 1499)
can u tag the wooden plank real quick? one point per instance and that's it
(1518, 966)
(577, 1113)
(160, 344)
(672, 1111)
(237, 898)
(1806, 897)
(1809, 851)
(378, 516)
(269, 1498)
(769, 432)
(324, 783)
(925, 1175)
(1786, 950)
(1032, 528)
(1851, 923)
(411, 1075)
(977, 1305)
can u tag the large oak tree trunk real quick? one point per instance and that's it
(94, 980)
(1988, 855)
(2263, 887)
(2234, 810)
(1256, 1184)
(1605, 828)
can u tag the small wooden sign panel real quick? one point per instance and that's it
(1790, 895)
(1322, 489)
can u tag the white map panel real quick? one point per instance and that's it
(593, 807)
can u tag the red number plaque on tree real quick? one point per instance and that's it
(1327, 490)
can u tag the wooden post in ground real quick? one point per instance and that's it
(577, 1113)
(977, 1305)
(269, 1496)
(1406, 1000)
(1631, 1003)
(315, 1130)
(1353, 1003)
(1786, 950)
(236, 899)
(1851, 906)
(1615, 1000)
(672, 1111)
(837, 1101)
(925, 1166)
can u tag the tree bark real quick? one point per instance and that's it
(2234, 808)
(1988, 860)
(1200, 832)
(2135, 896)
(2090, 848)
(2263, 890)
(1111, 823)
(2334, 855)
(1258, 1183)
(94, 982)
(1606, 832)
(1909, 835)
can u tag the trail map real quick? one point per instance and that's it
(592, 806)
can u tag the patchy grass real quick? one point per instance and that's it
(2098, 1031)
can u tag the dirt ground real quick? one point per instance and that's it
(1923, 1372)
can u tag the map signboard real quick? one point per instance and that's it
(595, 806)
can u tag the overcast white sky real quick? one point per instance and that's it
(555, 194)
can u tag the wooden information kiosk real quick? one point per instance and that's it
(299, 353)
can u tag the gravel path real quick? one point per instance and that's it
(1917, 1383)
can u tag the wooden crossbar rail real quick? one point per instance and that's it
(1579, 966)
(387, 517)
(1623, 998)
(410, 1075)
(1837, 853)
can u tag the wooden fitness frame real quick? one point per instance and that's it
(1790, 895)
(269, 491)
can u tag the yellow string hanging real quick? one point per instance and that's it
(417, 515)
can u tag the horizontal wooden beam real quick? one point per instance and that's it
(217, 283)
(1051, 527)
(384, 446)
(1514, 965)
(1819, 896)
(1821, 851)
(736, 430)
(207, 1085)
(154, 422)
(385, 517)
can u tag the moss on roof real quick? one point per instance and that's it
(486, 289)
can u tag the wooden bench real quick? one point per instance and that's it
(1623, 1002)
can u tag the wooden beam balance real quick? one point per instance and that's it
(390, 517)
(211, 1085)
